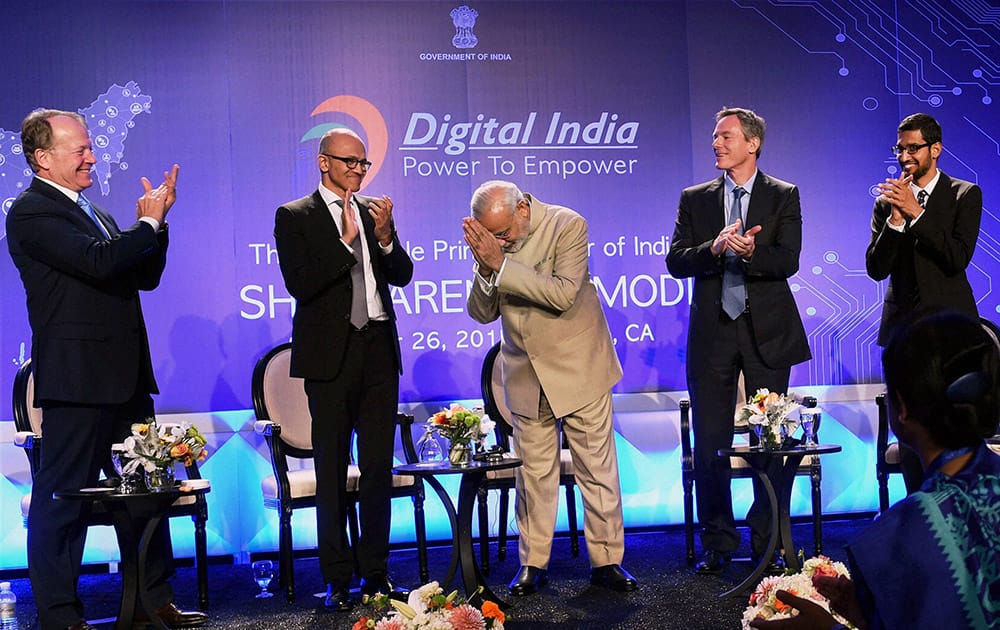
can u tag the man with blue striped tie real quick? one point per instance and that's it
(90, 354)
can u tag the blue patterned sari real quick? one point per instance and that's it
(933, 560)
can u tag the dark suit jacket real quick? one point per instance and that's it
(941, 245)
(774, 205)
(88, 338)
(317, 272)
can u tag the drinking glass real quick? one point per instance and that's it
(263, 573)
(810, 417)
(429, 449)
(118, 460)
(789, 425)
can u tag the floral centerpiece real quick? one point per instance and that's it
(428, 607)
(463, 428)
(156, 449)
(768, 415)
(765, 605)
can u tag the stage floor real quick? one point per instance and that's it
(670, 596)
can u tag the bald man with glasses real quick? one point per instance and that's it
(339, 253)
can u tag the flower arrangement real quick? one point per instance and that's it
(768, 414)
(765, 605)
(152, 446)
(462, 428)
(428, 607)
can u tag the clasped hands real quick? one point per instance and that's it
(899, 195)
(485, 247)
(379, 209)
(742, 245)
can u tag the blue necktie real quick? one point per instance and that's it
(734, 291)
(84, 203)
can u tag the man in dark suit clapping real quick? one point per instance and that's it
(339, 253)
(924, 230)
(743, 316)
(90, 354)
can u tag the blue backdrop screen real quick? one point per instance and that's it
(606, 107)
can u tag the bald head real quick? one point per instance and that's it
(337, 137)
(338, 148)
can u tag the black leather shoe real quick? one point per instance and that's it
(775, 567)
(613, 576)
(173, 616)
(83, 625)
(371, 586)
(528, 580)
(711, 563)
(338, 598)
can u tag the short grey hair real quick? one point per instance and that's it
(496, 194)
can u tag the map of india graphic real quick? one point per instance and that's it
(109, 117)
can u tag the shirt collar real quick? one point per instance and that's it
(331, 197)
(929, 188)
(72, 194)
(747, 185)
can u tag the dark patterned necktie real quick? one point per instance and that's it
(922, 198)
(734, 291)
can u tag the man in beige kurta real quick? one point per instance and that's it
(558, 362)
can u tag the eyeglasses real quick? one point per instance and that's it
(910, 148)
(350, 162)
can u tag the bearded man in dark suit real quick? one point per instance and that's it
(924, 230)
(89, 351)
(339, 253)
(743, 316)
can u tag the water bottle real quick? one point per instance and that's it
(8, 607)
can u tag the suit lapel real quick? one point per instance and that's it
(761, 201)
(75, 212)
(107, 221)
(942, 197)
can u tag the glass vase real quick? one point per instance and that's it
(460, 454)
(160, 479)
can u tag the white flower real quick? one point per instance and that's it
(765, 605)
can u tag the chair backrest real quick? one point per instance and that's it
(282, 399)
(494, 400)
(27, 417)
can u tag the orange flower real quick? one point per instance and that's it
(490, 609)
(781, 606)
(179, 451)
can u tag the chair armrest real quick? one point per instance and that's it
(266, 428)
(27, 439)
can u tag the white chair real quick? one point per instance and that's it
(284, 421)
(28, 422)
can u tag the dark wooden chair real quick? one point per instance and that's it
(28, 422)
(503, 480)
(284, 421)
(810, 467)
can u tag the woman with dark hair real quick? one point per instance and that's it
(933, 560)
